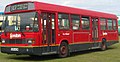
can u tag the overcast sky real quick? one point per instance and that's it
(109, 6)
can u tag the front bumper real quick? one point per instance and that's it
(21, 50)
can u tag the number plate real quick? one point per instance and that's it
(14, 49)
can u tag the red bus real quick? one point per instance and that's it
(36, 28)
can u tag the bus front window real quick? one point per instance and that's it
(25, 22)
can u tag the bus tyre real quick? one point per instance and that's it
(103, 46)
(63, 50)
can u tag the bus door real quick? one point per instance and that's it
(95, 30)
(48, 30)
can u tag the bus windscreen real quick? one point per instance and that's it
(21, 22)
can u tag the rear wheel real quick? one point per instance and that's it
(63, 50)
(103, 45)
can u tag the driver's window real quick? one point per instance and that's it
(2, 23)
(11, 20)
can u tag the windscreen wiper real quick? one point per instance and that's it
(5, 32)
(5, 26)
(22, 33)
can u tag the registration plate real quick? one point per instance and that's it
(14, 49)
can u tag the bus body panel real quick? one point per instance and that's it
(48, 40)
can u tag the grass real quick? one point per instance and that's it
(110, 55)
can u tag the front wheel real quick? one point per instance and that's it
(103, 46)
(63, 50)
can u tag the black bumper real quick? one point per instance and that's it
(26, 51)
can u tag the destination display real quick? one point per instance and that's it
(19, 7)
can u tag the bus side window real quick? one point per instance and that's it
(103, 24)
(75, 22)
(114, 25)
(109, 23)
(85, 23)
(63, 21)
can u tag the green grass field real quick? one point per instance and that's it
(110, 55)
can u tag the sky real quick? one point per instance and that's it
(107, 6)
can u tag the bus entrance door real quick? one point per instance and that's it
(48, 31)
(95, 31)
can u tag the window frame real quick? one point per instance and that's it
(105, 24)
(73, 19)
(114, 21)
(109, 21)
(64, 18)
(89, 19)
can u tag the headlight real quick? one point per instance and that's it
(3, 41)
(30, 42)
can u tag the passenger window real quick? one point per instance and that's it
(85, 23)
(114, 25)
(109, 23)
(103, 24)
(75, 22)
(63, 21)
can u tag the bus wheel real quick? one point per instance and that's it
(103, 46)
(63, 50)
